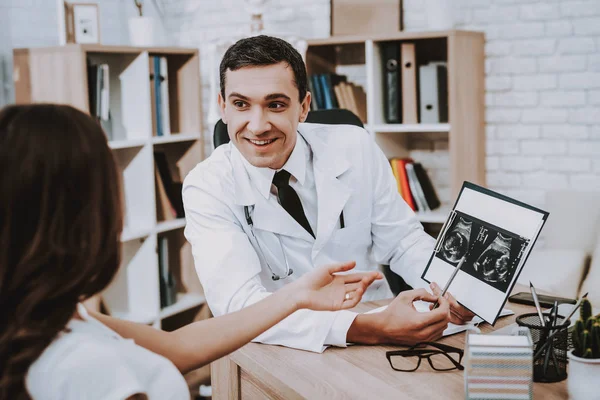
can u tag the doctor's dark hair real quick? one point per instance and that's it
(264, 50)
(60, 227)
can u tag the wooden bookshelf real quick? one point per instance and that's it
(60, 75)
(463, 51)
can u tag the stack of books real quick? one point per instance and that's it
(334, 91)
(414, 184)
(498, 367)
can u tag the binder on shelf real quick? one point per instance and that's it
(158, 96)
(409, 83)
(390, 61)
(433, 93)
(153, 96)
(164, 96)
(167, 283)
(99, 96)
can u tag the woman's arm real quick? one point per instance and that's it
(202, 342)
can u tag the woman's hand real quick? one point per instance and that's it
(323, 290)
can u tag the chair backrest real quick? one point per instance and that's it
(334, 116)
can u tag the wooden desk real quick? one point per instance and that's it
(260, 371)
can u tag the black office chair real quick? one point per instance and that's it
(333, 116)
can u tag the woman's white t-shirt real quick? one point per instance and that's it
(92, 362)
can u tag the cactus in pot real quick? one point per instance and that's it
(586, 333)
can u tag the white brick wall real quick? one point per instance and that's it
(542, 72)
(542, 83)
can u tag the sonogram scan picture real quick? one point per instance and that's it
(456, 243)
(491, 254)
(493, 262)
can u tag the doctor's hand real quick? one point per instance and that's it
(322, 289)
(458, 314)
(401, 323)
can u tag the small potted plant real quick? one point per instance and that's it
(584, 359)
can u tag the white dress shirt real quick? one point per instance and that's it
(302, 180)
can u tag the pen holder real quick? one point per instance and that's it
(550, 365)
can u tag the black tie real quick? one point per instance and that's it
(289, 199)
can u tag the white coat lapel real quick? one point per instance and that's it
(332, 194)
(266, 215)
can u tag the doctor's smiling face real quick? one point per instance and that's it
(263, 98)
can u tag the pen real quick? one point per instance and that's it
(577, 305)
(537, 304)
(458, 267)
(550, 350)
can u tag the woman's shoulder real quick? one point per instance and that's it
(78, 365)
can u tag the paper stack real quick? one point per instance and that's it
(499, 366)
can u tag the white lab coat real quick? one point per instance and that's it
(351, 174)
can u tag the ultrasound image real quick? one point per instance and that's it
(492, 254)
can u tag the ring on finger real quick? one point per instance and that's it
(347, 297)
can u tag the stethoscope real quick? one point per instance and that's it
(274, 276)
(288, 270)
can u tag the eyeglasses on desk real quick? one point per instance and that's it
(441, 358)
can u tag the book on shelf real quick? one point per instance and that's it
(414, 185)
(334, 91)
(172, 187)
(167, 282)
(164, 208)
(159, 93)
(99, 95)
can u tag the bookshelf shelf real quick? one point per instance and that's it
(175, 138)
(132, 234)
(166, 226)
(409, 128)
(127, 144)
(116, 85)
(184, 303)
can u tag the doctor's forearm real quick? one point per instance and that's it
(366, 329)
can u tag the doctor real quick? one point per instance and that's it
(284, 196)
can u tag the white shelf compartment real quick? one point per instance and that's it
(185, 301)
(437, 216)
(134, 292)
(176, 137)
(393, 128)
(165, 226)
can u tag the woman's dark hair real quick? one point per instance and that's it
(60, 226)
(264, 50)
